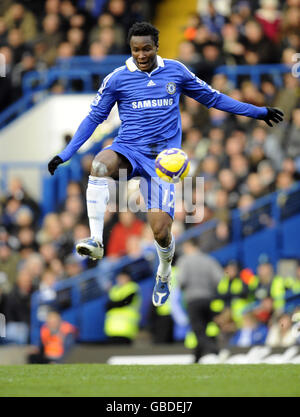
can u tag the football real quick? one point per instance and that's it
(172, 165)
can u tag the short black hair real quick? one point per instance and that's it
(143, 29)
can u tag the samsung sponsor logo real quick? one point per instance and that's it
(147, 104)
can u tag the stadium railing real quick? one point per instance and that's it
(255, 73)
(271, 226)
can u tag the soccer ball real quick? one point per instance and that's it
(172, 165)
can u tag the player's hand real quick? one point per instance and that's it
(53, 164)
(273, 115)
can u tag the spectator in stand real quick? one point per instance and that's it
(213, 20)
(76, 37)
(269, 17)
(6, 86)
(281, 333)
(9, 263)
(284, 181)
(267, 175)
(258, 48)
(16, 42)
(97, 50)
(106, 20)
(233, 49)
(35, 265)
(19, 17)
(127, 225)
(187, 55)
(73, 266)
(198, 276)
(57, 338)
(17, 189)
(65, 50)
(122, 310)
(46, 286)
(17, 309)
(192, 24)
(141, 263)
(48, 252)
(288, 96)
(251, 333)
(293, 146)
(211, 58)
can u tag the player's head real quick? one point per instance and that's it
(143, 41)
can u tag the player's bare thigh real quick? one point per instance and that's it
(161, 225)
(107, 163)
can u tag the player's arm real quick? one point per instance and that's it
(206, 95)
(100, 109)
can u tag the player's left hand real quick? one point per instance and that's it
(273, 115)
(53, 164)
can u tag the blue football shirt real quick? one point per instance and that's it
(148, 105)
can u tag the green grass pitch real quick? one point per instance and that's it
(149, 381)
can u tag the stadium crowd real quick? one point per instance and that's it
(240, 159)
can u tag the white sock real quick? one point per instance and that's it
(97, 196)
(165, 258)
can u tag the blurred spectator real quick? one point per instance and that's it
(293, 146)
(18, 17)
(17, 309)
(51, 37)
(269, 17)
(73, 266)
(122, 310)
(46, 286)
(233, 49)
(127, 225)
(280, 333)
(9, 262)
(141, 262)
(251, 333)
(270, 285)
(213, 20)
(287, 97)
(198, 276)
(258, 48)
(212, 58)
(34, 264)
(57, 338)
(76, 37)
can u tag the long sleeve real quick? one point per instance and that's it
(199, 90)
(100, 108)
(231, 105)
(84, 131)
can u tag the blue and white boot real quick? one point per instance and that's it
(161, 290)
(91, 248)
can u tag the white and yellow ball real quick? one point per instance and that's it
(172, 165)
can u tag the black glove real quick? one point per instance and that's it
(53, 164)
(273, 115)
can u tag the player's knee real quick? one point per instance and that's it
(99, 169)
(162, 235)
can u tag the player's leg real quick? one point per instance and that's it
(161, 224)
(106, 164)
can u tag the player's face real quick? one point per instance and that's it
(144, 52)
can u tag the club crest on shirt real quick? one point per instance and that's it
(171, 88)
(96, 99)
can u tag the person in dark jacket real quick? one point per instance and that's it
(17, 309)
(198, 277)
